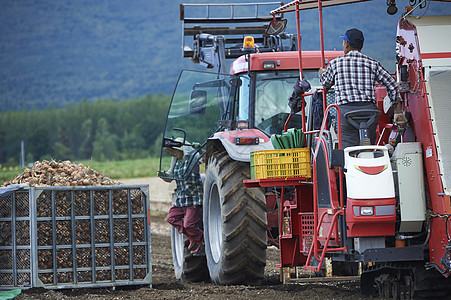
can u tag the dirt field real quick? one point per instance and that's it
(165, 286)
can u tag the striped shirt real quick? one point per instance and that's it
(355, 76)
(189, 190)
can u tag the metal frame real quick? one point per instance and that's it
(128, 217)
(218, 33)
(10, 252)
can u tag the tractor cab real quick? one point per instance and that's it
(241, 110)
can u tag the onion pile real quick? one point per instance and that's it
(61, 173)
(97, 221)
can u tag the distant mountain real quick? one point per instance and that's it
(55, 52)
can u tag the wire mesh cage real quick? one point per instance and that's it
(69, 237)
(15, 240)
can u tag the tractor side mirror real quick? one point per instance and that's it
(197, 102)
(170, 143)
(236, 81)
(338, 158)
(276, 27)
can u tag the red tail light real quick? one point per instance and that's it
(246, 141)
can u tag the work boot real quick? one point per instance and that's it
(200, 251)
(192, 244)
(195, 246)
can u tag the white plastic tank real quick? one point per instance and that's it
(369, 174)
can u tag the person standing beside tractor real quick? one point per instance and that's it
(185, 212)
(355, 76)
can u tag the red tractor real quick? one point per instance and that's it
(230, 115)
(388, 221)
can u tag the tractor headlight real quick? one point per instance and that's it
(366, 211)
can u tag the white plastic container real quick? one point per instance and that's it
(369, 175)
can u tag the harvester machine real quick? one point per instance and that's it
(381, 212)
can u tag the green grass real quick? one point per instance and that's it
(6, 175)
(147, 167)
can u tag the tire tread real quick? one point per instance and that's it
(244, 223)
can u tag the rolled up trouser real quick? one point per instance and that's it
(350, 134)
(185, 220)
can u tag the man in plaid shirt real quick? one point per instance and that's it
(355, 76)
(186, 210)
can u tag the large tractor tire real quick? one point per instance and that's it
(187, 267)
(234, 223)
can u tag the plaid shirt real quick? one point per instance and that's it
(190, 190)
(354, 76)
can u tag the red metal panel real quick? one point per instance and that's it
(326, 225)
(359, 226)
(418, 105)
(270, 182)
(385, 125)
(305, 193)
(272, 212)
(436, 55)
(290, 254)
(290, 250)
(273, 219)
(288, 60)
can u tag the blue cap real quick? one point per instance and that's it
(354, 37)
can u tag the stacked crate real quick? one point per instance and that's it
(69, 237)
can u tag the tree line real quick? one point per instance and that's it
(102, 130)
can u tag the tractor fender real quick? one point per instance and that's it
(241, 152)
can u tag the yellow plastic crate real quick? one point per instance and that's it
(281, 163)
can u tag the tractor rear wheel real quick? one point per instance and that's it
(187, 267)
(234, 223)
